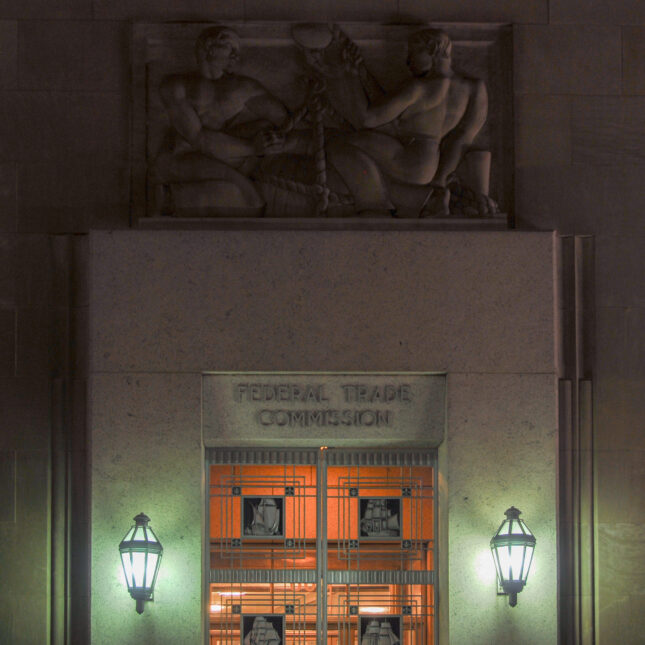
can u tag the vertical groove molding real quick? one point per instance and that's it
(59, 609)
(575, 359)
(566, 525)
(78, 502)
(584, 281)
(69, 606)
(586, 512)
(584, 300)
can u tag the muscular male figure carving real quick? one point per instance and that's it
(417, 134)
(218, 123)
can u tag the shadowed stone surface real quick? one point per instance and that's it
(620, 261)
(23, 557)
(168, 10)
(557, 60)
(8, 485)
(45, 9)
(72, 55)
(8, 190)
(307, 10)
(367, 10)
(62, 125)
(613, 12)
(621, 480)
(620, 344)
(608, 130)
(7, 342)
(634, 60)
(526, 11)
(543, 125)
(8, 54)
(26, 405)
(34, 337)
(7, 271)
(582, 199)
(30, 280)
(620, 405)
(73, 195)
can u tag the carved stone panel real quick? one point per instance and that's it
(322, 120)
(334, 410)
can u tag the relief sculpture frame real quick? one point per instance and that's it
(349, 121)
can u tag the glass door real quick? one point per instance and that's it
(327, 546)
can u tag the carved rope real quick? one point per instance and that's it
(317, 110)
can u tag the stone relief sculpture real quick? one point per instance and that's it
(217, 119)
(318, 133)
(417, 134)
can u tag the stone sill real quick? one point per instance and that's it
(499, 223)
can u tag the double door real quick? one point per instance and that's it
(321, 547)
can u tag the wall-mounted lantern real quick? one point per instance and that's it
(141, 554)
(512, 547)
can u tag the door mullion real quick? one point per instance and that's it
(321, 546)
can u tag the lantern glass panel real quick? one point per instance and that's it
(520, 528)
(139, 534)
(516, 557)
(127, 569)
(151, 569)
(504, 529)
(504, 558)
(139, 569)
(129, 534)
(528, 559)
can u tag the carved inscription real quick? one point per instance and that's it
(300, 409)
(363, 405)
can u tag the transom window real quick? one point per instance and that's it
(321, 546)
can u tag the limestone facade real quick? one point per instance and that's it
(579, 95)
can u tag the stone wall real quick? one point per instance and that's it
(477, 306)
(580, 141)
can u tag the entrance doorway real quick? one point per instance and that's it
(321, 546)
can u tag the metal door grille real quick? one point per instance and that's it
(329, 546)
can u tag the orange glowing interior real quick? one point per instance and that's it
(265, 519)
